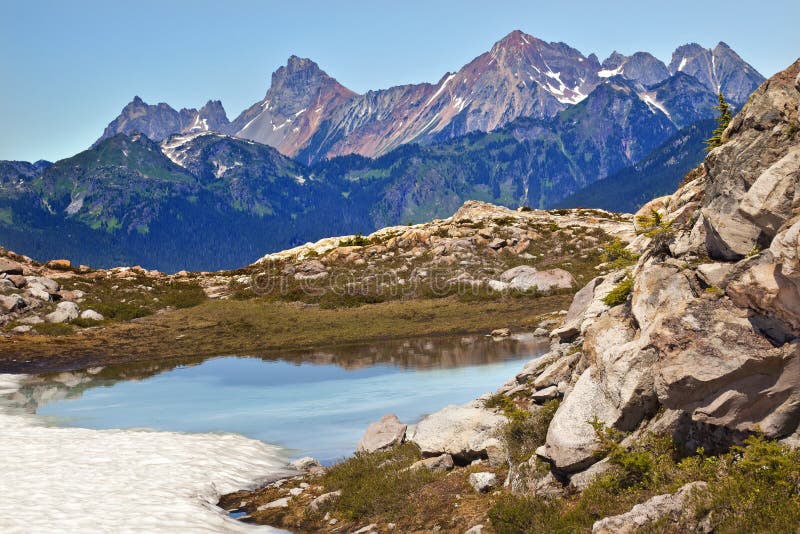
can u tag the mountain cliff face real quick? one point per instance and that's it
(160, 121)
(309, 116)
(521, 76)
(699, 339)
(719, 69)
(640, 67)
(301, 98)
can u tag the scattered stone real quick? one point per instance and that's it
(541, 332)
(557, 371)
(322, 499)
(461, 431)
(22, 329)
(497, 243)
(368, 528)
(714, 274)
(33, 319)
(38, 291)
(294, 492)
(59, 264)
(660, 507)
(526, 278)
(304, 464)
(483, 482)
(278, 503)
(383, 434)
(92, 315)
(477, 529)
(497, 285)
(545, 394)
(10, 266)
(10, 303)
(18, 280)
(501, 332)
(47, 283)
(580, 481)
(443, 462)
(65, 312)
(495, 452)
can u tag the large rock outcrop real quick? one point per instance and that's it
(709, 336)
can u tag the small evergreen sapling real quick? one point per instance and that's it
(723, 120)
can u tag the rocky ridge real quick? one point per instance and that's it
(309, 116)
(693, 335)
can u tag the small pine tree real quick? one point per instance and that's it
(723, 120)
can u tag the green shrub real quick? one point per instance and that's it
(54, 329)
(615, 254)
(376, 483)
(653, 225)
(620, 293)
(332, 300)
(524, 434)
(357, 240)
(121, 311)
(506, 405)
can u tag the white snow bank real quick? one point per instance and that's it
(81, 480)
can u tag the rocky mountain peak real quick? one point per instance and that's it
(516, 40)
(719, 69)
(614, 61)
(213, 116)
(300, 98)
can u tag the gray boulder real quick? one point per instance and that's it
(65, 312)
(483, 482)
(571, 444)
(439, 463)
(315, 504)
(660, 507)
(525, 278)
(10, 266)
(383, 434)
(465, 432)
(91, 315)
(304, 464)
(10, 303)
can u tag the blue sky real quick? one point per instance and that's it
(68, 67)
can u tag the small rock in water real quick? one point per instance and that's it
(501, 332)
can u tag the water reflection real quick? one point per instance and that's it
(314, 402)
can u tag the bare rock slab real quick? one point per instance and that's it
(465, 432)
(383, 434)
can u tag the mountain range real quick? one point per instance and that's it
(527, 123)
(308, 115)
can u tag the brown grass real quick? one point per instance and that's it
(258, 327)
